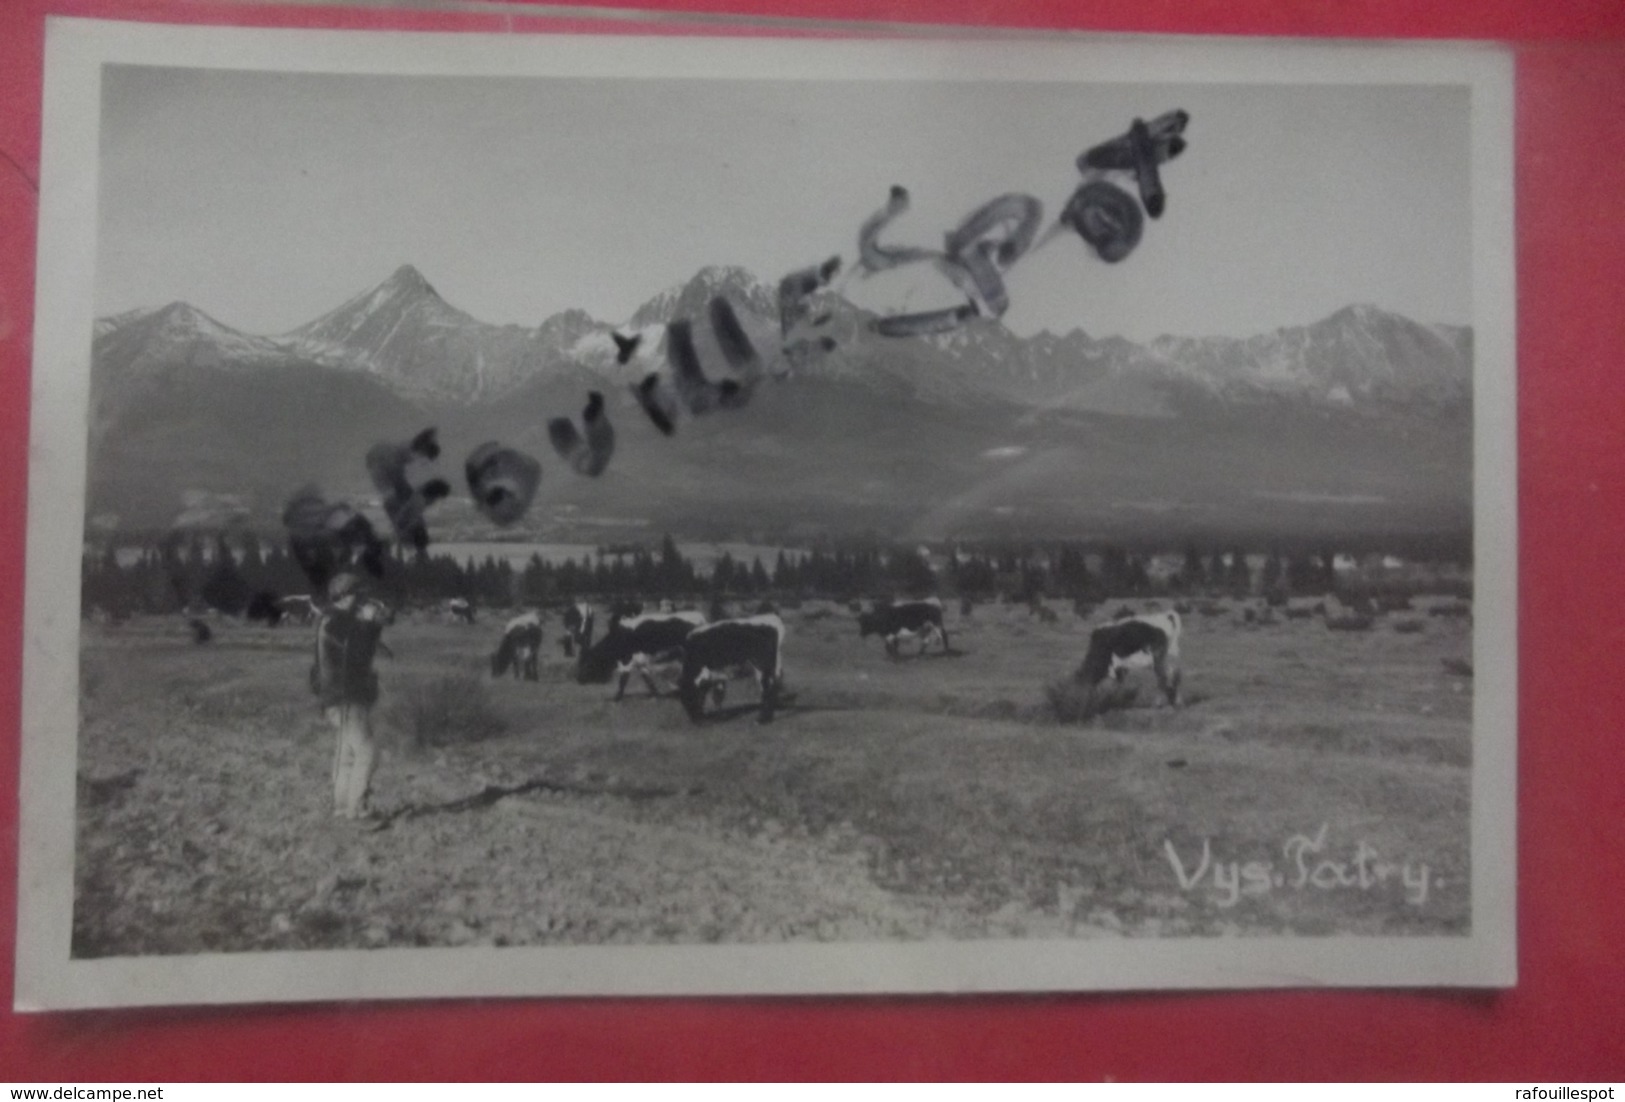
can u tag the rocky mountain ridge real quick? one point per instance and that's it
(405, 335)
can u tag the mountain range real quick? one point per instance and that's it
(1359, 422)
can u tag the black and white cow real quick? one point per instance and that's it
(459, 610)
(636, 643)
(1134, 642)
(911, 618)
(713, 653)
(264, 608)
(520, 649)
(578, 627)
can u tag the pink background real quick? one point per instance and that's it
(1565, 1022)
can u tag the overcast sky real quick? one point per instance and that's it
(268, 199)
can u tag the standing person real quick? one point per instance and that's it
(342, 677)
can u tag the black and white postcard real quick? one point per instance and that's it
(566, 514)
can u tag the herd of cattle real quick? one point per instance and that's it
(708, 651)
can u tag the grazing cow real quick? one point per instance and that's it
(520, 649)
(911, 618)
(459, 610)
(201, 632)
(346, 687)
(298, 609)
(1150, 639)
(713, 652)
(636, 644)
(578, 626)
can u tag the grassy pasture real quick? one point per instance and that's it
(928, 797)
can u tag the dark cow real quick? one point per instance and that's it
(520, 649)
(636, 644)
(265, 607)
(892, 622)
(578, 628)
(1150, 639)
(711, 654)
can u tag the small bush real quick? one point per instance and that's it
(447, 711)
